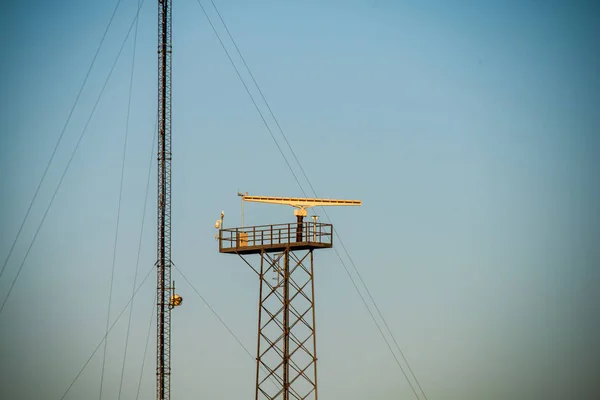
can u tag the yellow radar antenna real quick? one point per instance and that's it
(300, 204)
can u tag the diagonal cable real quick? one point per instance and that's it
(145, 349)
(106, 334)
(217, 316)
(68, 164)
(213, 311)
(116, 241)
(144, 208)
(376, 324)
(250, 94)
(37, 190)
(378, 310)
(314, 191)
(137, 263)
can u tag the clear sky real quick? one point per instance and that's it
(470, 130)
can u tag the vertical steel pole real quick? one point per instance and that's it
(286, 324)
(299, 223)
(314, 321)
(260, 306)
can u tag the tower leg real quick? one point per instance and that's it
(286, 324)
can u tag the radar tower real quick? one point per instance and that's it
(286, 355)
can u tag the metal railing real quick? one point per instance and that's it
(274, 235)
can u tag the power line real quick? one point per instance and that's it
(106, 334)
(315, 193)
(69, 163)
(37, 190)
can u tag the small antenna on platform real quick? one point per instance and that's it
(315, 218)
(219, 224)
(242, 196)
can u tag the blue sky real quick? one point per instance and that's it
(470, 130)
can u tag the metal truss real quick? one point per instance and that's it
(286, 361)
(163, 264)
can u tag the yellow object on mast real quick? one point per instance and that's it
(301, 204)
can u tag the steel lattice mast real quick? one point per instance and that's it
(163, 264)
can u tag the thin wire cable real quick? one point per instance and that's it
(68, 164)
(376, 323)
(249, 94)
(213, 311)
(143, 212)
(315, 193)
(104, 338)
(114, 260)
(137, 263)
(220, 320)
(300, 185)
(62, 133)
(379, 311)
(260, 92)
(146, 349)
